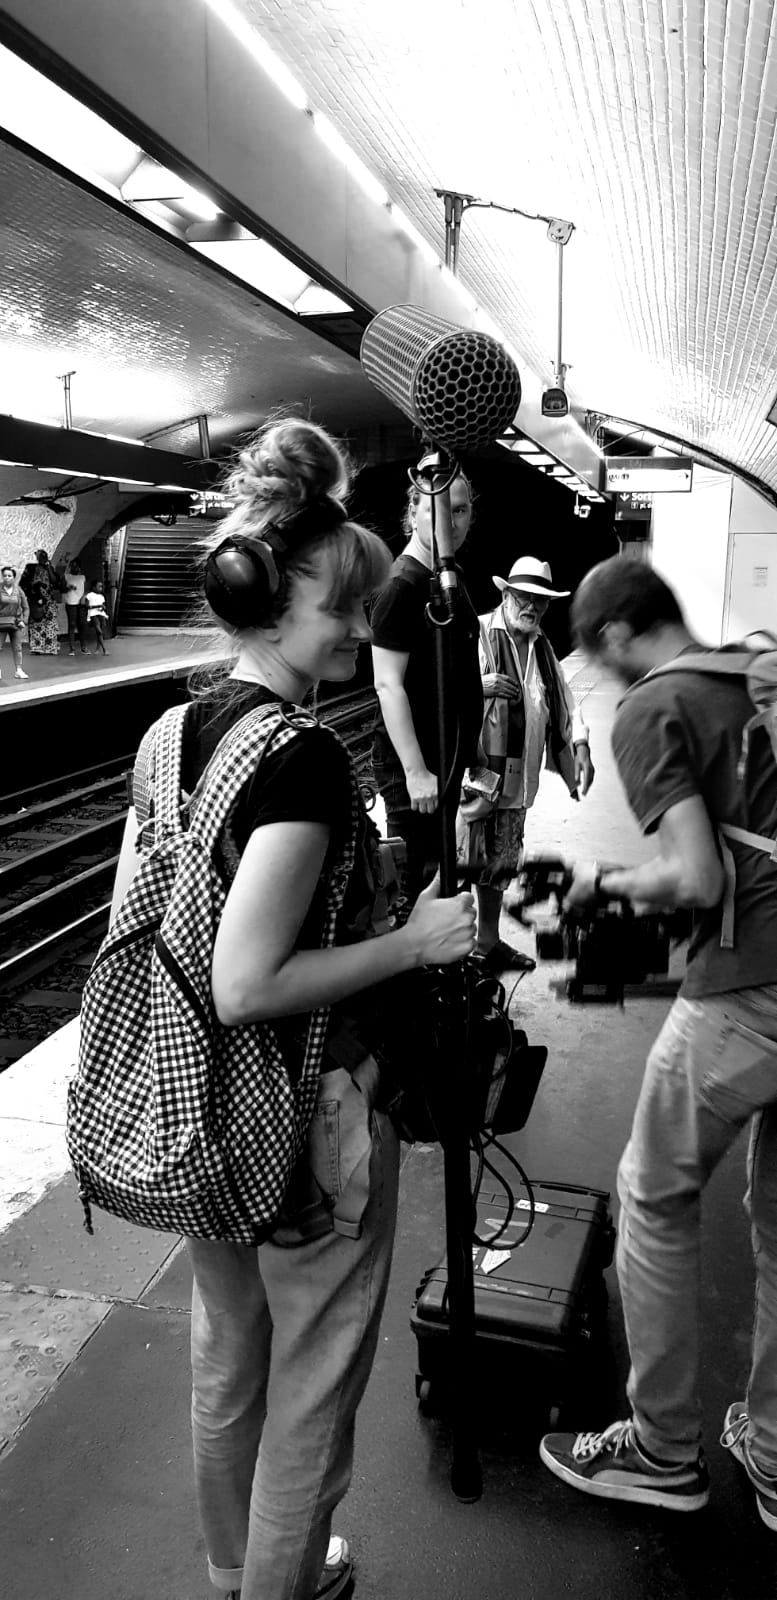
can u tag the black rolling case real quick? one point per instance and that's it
(539, 1308)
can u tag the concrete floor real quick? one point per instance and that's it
(95, 1485)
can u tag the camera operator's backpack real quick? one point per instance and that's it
(755, 660)
(174, 1120)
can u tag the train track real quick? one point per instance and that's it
(59, 845)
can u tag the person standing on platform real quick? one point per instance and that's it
(405, 752)
(530, 717)
(14, 612)
(284, 1336)
(678, 745)
(42, 587)
(97, 616)
(75, 587)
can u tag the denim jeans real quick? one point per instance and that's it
(15, 637)
(283, 1341)
(712, 1070)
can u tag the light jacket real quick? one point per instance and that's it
(544, 724)
(14, 610)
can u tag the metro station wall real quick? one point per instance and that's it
(690, 534)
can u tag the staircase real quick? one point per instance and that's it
(161, 583)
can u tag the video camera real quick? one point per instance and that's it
(613, 946)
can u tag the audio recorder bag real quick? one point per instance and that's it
(540, 1305)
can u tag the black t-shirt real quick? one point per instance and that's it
(307, 780)
(679, 735)
(399, 622)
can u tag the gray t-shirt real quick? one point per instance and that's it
(678, 735)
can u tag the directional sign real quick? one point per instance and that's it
(648, 474)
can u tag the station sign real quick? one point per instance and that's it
(209, 503)
(648, 475)
(633, 507)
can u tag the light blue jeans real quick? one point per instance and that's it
(283, 1341)
(712, 1069)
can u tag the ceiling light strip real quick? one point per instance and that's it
(252, 41)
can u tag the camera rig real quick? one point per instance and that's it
(614, 947)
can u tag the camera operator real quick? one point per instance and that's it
(713, 1068)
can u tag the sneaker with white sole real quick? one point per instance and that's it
(612, 1466)
(21, 674)
(336, 1574)
(734, 1438)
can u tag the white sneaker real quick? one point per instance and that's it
(734, 1438)
(20, 673)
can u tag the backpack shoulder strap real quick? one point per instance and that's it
(234, 762)
(156, 777)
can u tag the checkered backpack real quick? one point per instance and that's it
(175, 1121)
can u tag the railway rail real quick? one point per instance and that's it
(59, 845)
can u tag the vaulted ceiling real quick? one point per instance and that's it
(648, 124)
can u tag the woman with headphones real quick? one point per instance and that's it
(284, 1336)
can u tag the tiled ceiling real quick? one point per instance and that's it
(154, 334)
(650, 124)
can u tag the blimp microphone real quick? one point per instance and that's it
(458, 385)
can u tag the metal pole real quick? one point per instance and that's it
(202, 427)
(64, 378)
(466, 1474)
(559, 367)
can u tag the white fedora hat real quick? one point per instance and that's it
(533, 576)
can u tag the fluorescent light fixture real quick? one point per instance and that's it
(524, 447)
(120, 438)
(318, 302)
(261, 52)
(35, 109)
(150, 181)
(139, 483)
(541, 460)
(27, 464)
(258, 264)
(261, 266)
(335, 142)
(66, 472)
(561, 472)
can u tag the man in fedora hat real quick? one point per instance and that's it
(530, 715)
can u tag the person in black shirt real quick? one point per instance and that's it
(284, 1336)
(405, 753)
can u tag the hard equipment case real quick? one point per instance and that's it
(539, 1307)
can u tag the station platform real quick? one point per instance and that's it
(131, 658)
(96, 1493)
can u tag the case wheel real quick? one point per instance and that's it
(424, 1395)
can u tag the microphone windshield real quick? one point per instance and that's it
(459, 386)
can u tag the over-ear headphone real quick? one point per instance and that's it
(242, 577)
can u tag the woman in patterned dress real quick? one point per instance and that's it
(41, 586)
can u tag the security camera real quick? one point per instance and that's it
(555, 403)
(581, 508)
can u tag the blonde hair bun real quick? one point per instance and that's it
(286, 465)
